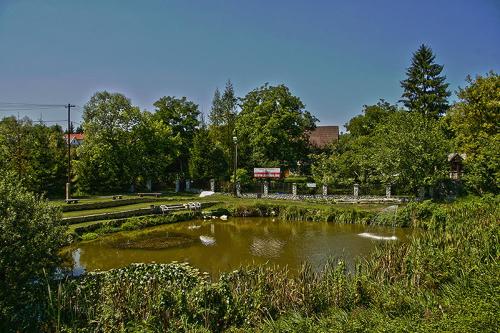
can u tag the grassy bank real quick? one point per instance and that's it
(447, 279)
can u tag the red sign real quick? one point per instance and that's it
(267, 172)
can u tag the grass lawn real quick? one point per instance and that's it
(87, 200)
(225, 202)
(128, 207)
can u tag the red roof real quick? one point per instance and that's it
(324, 135)
(77, 136)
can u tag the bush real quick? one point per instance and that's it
(31, 234)
(107, 204)
(89, 236)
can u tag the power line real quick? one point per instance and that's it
(31, 104)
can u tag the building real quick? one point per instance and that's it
(322, 136)
(75, 139)
(456, 161)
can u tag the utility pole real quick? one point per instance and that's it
(68, 183)
(235, 140)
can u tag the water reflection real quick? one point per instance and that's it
(215, 246)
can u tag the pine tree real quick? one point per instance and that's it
(216, 112)
(228, 102)
(425, 90)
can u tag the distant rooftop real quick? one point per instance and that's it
(324, 135)
(75, 136)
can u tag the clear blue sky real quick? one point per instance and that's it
(335, 55)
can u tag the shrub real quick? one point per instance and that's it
(31, 234)
(89, 236)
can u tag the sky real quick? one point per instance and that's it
(335, 55)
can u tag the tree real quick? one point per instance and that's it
(273, 127)
(387, 146)
(182, 116)
(216, 111)
(425, 90)
(411, 150)
(222, 120)
(207, 159)
(35, 153)
(475, 122)
(31, 235)
(105, 159)
(350, 160)
(48, 160)
(154, 147)
(373, 115)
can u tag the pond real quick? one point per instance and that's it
(216, 246)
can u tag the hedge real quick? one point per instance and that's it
(107, 204)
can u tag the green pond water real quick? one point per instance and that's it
(216, 246)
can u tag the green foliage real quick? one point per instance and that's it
(36, 153)
(475, 122)
(89, 236)
(242, 176)
(132, 223)
(387, 146)
(351, 159)
(222, 124)
(222, 121)
(373, 115)
(31, 234)
(207, 159)
(272, 128)
(123, 146)
(153, 147)
(181, 115)
(411, 150)
(104, 160)
(425, 90)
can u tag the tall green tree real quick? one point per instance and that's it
(155, 149)
(207, 158)
(36, 153)
(222, 120)
(273, 128)
(181, 115)
(216, 115)
(48, 160)
(410, 150)
(350, 160)
(475, 121)
(31, 236)
(105, 159)
(425, 89)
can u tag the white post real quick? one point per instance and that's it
(212, 185)
(266, 188)
(188, 185)
(325, 190)
(388, 191)
(356, 190)
(294, 189)
(68, 191)
(177, 185)
(238, 189)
